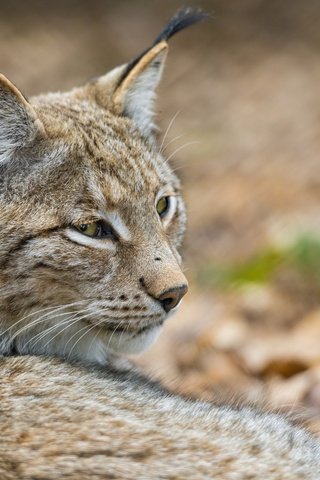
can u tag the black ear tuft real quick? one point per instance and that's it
(183, 18)
(134, 88)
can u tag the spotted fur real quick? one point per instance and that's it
(70, 159)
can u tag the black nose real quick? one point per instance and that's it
(171, 297)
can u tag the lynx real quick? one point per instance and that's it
(92, 219)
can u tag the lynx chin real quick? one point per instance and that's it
(91, 223)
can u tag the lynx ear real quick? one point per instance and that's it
(130, 90)
(19, 124)
(136, 92)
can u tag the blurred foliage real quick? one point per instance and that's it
(305, 254)
(302, 255)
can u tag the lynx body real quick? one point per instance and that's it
(91, 222)
(62, 421)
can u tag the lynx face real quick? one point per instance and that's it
(91, 216)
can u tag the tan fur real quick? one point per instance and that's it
(75, 158)
(72, 422)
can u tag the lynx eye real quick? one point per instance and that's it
(98, 229)
(89, 229)
(163, 206)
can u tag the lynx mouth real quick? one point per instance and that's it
(133, 341)
(146, 328)
(125, 329)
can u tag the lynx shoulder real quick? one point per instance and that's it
(91, 223)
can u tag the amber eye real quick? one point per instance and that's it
(163, 206)
(98, 229)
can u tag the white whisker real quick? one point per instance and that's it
(113, 332)
(83, 335)
(82, 318)
(41, 335)
(57, 325)
(173, 140)
(37, 321)
(94, 338)
(180, 148)
(167, 130)
(53, 309)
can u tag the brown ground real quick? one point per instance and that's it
(246, 86)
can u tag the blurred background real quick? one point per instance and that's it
(239, 107)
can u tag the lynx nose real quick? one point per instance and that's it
(171, 297)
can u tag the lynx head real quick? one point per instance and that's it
(91, 215)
